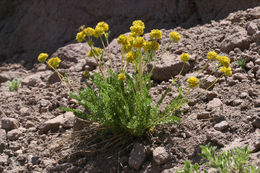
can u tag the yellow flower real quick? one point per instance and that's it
(139, 23)
(138, 42)
(185, 57)
(151, 45)
(98, 32)
(103, 25)
(130, 56)
(89, 31)
(121, 76)
(226, 70)
(155, 45)
(136, 30)
(212, 55)
(54, 62)
(80, 36)
(95, 52)
(223, 60)
(155, 34)
(193, 82)
(175, 36)
(122, 39)
(42, 57)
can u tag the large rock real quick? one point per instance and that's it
(237, 40)
(169, 66)
(52, 28)
(137, 156)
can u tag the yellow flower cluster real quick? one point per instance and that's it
(89, 31)
(99, 30)
(80, 37)
(185, 57)
(130, 56)
(138, 42)
(212, 55)
(175, 36)
(54, 62)
(193, 82)
(96, 52)
(226, 70)
(223, 60)
(121, 77)
(151, 45)
(155, 34)
(42, 57)
(137, 28)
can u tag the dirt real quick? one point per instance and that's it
(36, 136)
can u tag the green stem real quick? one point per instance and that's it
(203, 68)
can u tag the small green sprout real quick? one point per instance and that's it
(241, 62)
(234, 160)
(14, 85)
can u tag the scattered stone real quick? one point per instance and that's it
(243, 95)
(14, 134)
(223, 125)
(24, 111)
(10, 123)
(237, 102)
(211, 95)
(54, 78)
(216, 102)
(251, 28)
(252, 92)
(256, 123)
(216, 137)
(257, 103)
(206, 83)
(33, 79)
(254, 143)
(137, 156)
(161, 156)
(3, 159)
(35, 160)
(203, 115)
(2, 140)
(239, 76)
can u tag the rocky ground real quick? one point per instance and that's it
(35, 136)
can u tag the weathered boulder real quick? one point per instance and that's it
(51, 28)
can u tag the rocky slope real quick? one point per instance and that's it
(35, 136)
(30, 26)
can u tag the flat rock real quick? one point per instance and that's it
(169, 66)
(14, 134)
(215, 103)
(203, 115)
(237, 40)
(223, 125)
(137, 156)
(161, 156)
(66, 121)
(10, 123)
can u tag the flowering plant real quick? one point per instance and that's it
(120, 100)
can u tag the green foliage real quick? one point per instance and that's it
(14, 85)
(241, 63)
(119, 105)
(231, 161)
